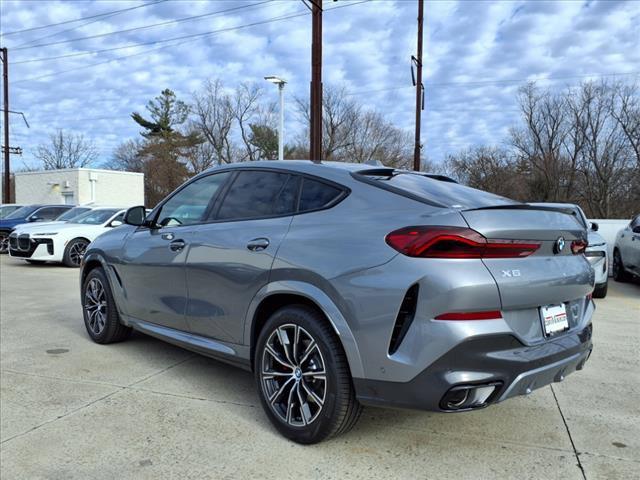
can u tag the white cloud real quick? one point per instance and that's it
(367, 47)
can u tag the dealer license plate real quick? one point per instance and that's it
(554, 318)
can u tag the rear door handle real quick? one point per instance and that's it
(258, 244)
(177, 245)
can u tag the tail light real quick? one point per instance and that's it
(455, 242)
(485, 315)
(578, 246)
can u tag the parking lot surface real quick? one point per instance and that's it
(71, 409)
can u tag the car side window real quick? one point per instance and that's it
(316, 195)
(49, 213)
(190, 204)
(635, 222)
(256, 194)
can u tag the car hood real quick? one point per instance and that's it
(28, 227)
(62, 227)
(9, 223)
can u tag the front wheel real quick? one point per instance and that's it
(601, 290)
(74, 252)
(4, 242)
(99, 310)
(303, 376)
(619, 274)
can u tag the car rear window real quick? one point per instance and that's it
(434, 192)
(316, 195)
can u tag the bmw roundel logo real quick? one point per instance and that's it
(559, 245)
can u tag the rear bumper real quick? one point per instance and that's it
(500, 360)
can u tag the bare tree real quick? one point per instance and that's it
(127, 156)
(214, 118)
(246, 109)
(66, 150)
(625, 109)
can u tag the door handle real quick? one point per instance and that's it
(177, 245)
(258, 244)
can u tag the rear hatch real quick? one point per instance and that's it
(552, 276)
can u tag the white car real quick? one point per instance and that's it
(64, 242)
(626, 252)
(596, 251)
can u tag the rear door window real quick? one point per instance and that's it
(50, 213)
(316, 195)
(257, 194)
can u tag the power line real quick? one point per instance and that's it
(66, 22)
(145, 52)
(60, 32)
(494, 82)
(128, 30)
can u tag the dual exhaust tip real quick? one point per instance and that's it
(467, 397)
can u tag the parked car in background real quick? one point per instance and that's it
(65, 217)
(596, 251)
(28, 214)
(7, 208)
(64, 242)
(346, 284)
(626, 252)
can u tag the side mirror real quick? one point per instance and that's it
(35, 218)
(116, 223)
(636, 229)
(594, 226)
(135, 216)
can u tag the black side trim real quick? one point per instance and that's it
(405, 318)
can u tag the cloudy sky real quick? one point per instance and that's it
(477, 53)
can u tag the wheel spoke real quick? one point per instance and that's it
(305, 411)
(316, 399)
(283, 336)
(310, 348)
(290, 405)
(268, 374)
(296, 339)
(269, 349)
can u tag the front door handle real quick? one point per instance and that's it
(177, 245)
(258, 244)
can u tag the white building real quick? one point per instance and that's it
(79, 186)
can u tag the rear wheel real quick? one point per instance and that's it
(619, 273)
(74, 252)
(303, 376)
(100, 311)
(601, 290)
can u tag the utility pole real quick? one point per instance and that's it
(316, 82)
(7, 168)
(419, 89)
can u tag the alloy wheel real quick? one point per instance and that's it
(4, 243)
(293, 375)
(95, 305)
(76, 252)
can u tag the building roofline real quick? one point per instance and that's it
(66, 170)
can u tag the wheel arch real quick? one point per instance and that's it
(278, 294)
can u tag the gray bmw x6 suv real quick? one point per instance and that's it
(342, 285)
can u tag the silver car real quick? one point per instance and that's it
(626, 252)
(342, 285)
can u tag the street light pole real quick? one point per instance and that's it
(281, 83)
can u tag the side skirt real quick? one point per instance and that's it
(233, 354)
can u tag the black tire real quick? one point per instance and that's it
(36, 262)
(601, 290)
(4, 243)
(74, 251)
(102, 323)
(619, 273)
(338, 410)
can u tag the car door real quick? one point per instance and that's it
(153, 259)
(230, 258)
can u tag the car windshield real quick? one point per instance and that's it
(22, 212)
(73, 213)
(95, 217)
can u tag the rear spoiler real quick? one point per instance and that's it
(525, 206)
